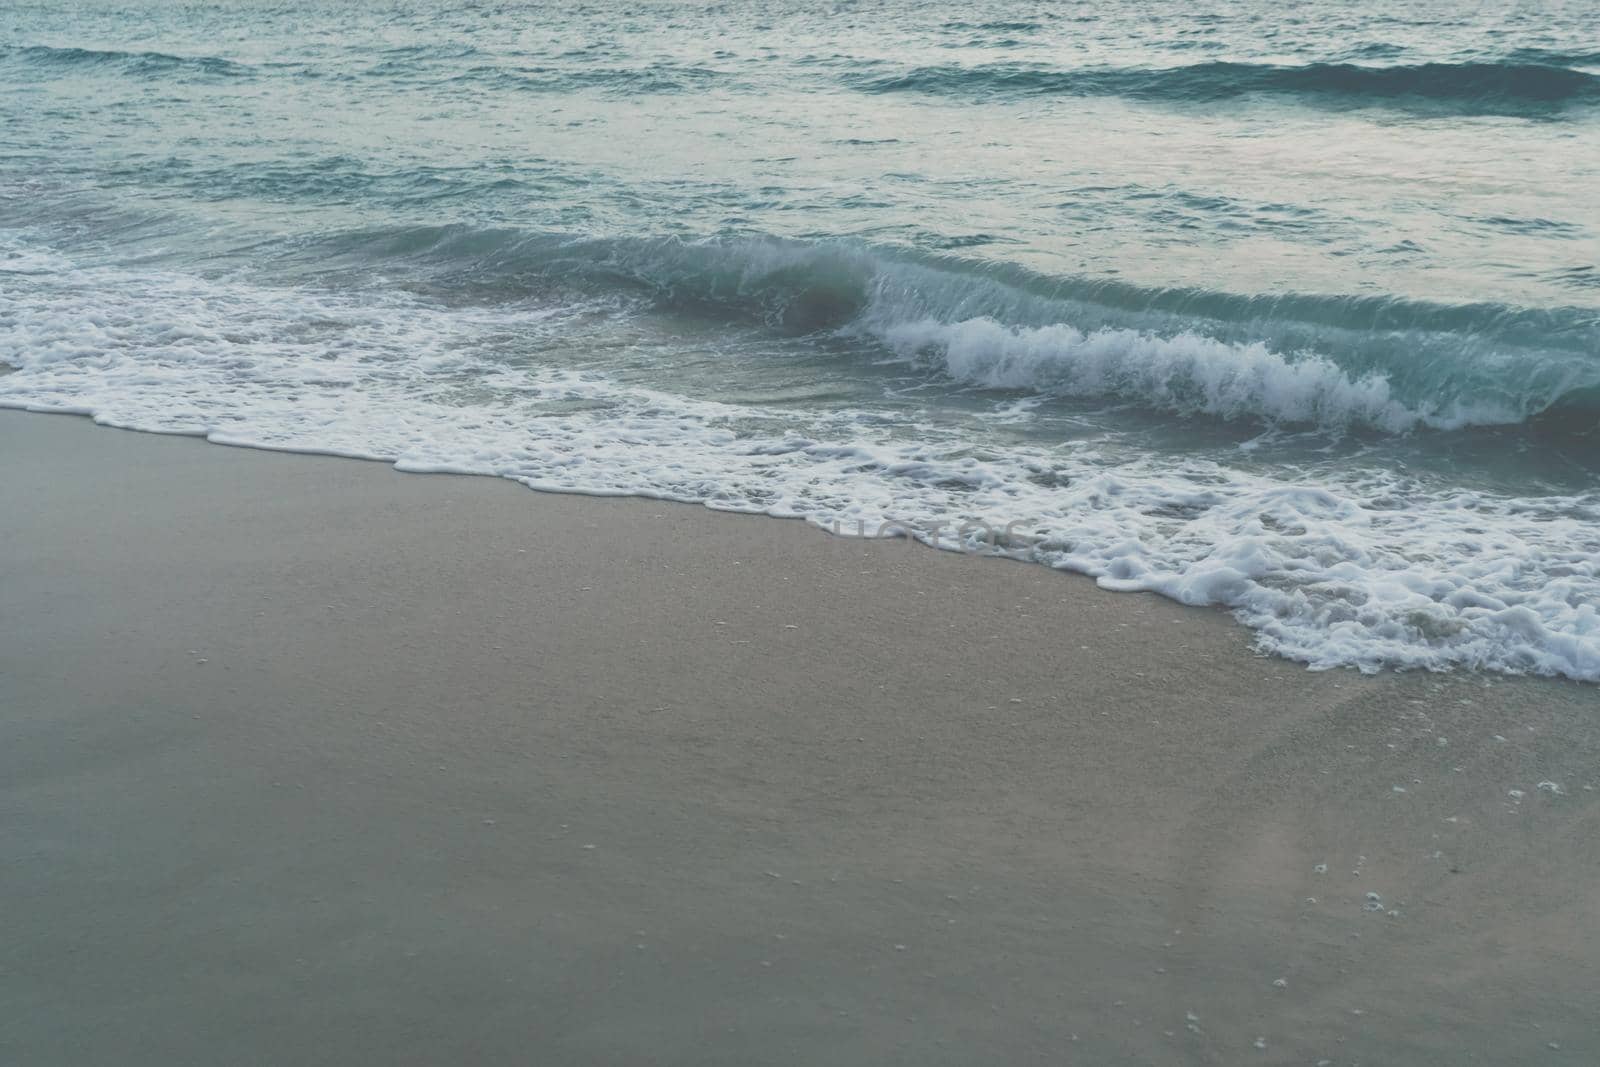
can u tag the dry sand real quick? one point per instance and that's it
(303, 760)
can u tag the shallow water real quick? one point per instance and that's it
(1293, 311)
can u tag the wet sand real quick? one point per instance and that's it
(303, 760)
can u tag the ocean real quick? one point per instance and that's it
(1290, 309)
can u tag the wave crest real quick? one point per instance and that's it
(1187, 373)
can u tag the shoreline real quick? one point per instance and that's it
(347, 765)
(962, 535)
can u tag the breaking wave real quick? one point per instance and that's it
(1390, 365)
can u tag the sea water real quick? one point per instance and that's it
(1293, 309)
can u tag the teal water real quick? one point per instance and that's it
(1296, 311)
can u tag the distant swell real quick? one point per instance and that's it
(409, 67)
(140, 63)
(1510, 86)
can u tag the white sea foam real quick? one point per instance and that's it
(1370, 570)
(1188, 373)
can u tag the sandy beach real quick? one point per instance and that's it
(304, 760)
